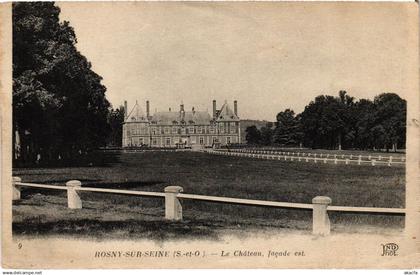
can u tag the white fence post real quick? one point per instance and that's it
(173, 207)
(16, 189)
(73, 198)
(373, 162)
(360, 160)
(347, 161)
(320, 220)
(390, 161)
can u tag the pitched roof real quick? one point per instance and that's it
(168, 118)
(136, 115)
(226, 113)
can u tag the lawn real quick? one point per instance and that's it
(108, 215)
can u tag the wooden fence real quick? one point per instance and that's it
(306, 157)
(320, 205)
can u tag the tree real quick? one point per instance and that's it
(253, 135)
(329, 122)
(390, 120)
(288, 129)
(59, 104)
(266, 135)
(116, 119)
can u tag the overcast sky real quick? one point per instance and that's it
(268, 56)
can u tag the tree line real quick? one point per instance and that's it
(340, 122)
(59, 106)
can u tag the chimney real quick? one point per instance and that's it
(170, 109)
(181, 107)
(235, 107)
(125, 109)
(214, 108)
(147, 109)
(193, 110)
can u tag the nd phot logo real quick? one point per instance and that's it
(389, 249)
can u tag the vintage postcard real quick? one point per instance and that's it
(210, 135)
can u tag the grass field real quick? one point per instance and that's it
(117, 216)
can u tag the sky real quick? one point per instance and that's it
(268, 56)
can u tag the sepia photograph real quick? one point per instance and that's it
(210, 134)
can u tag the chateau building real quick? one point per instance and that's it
(181, 128)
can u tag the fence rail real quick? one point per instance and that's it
(325, 155)
(173, 208)
(320, 158)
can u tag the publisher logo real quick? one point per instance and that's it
(389, 249)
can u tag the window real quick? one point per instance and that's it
(140, 141)
(193, 139)
(232, 129)
(234, 140)
(191, 129)
(168, 141)
(227, 140)
(167, 130)
(222, 128)
(211, 129)
(201, 140)
(154, 131)
(154, 141)
(214, 139)
(174, 130)
(199, 129)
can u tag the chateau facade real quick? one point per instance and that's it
(181, 128)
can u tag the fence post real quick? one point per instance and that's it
(390, 161)
(173, 207)
(373, 162)
(335, 160)
(320, 220)
(16, 189)
(360, 160)
(347, 161)
(73, 199)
